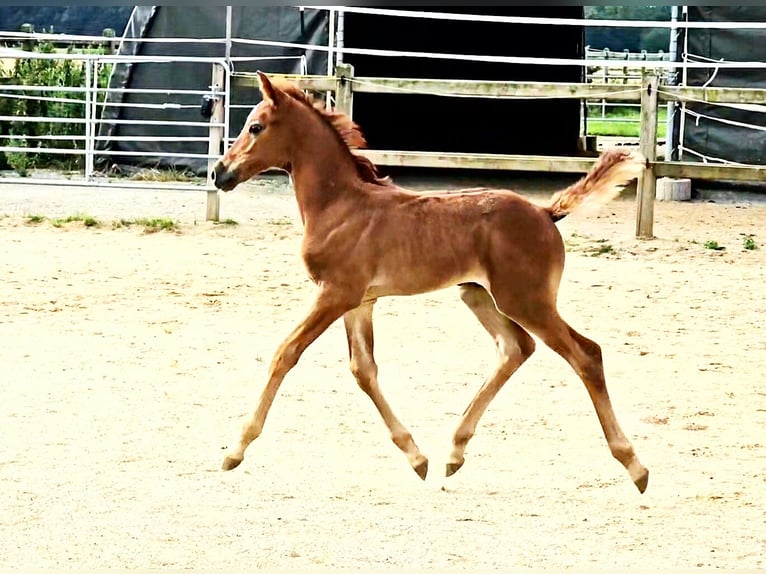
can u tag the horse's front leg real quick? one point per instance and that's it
(330, 305)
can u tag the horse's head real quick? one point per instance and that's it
(259, 145)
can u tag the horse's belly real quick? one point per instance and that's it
(424, 279)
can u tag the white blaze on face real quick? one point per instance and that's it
(244, 141)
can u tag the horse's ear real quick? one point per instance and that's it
(268, 91)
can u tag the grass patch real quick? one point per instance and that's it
(86, 220)
(34, 219)
(150, 224)
(227, 221)
(163, 175)
(622, 122)
(158, 224)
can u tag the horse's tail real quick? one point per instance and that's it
(612, 171)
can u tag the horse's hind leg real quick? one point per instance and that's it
(359, 333)
(584, 356)
(514, 346)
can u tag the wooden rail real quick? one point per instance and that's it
(614, 92)
(649, 94)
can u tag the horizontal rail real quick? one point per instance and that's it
(12, 53)
(70, 137)
(536, 90)
(547, 21)
(43, 150)
(478, 161)
(83, 89)
(557, 164)
(522, 60)
(58, 120)
(79, 151)
(707, 171)
(135, 184)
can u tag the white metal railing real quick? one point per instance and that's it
(92, 97)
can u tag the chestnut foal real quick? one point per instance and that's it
(366, 238)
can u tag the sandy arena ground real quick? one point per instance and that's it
(129, 360)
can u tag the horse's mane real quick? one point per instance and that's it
(345, 127)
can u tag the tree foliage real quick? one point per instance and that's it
(632, 39)
(78, 20)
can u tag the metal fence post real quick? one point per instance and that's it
(648, 147)
(214, 143)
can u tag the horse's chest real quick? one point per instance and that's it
(324, 259)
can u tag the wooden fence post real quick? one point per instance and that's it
(648, 147)
(214, 143)
(344, 92)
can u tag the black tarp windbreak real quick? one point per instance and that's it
(273, 23)
(474, 125)
(714, 138)
(400, 121)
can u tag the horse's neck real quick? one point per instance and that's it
(322, 175)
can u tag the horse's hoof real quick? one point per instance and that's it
(642, 481)
(453, 467)
(422, 469)
(230, 463)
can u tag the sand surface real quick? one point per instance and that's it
(129, 360)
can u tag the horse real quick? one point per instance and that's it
(365, 237)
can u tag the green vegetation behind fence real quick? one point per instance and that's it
(34, 103)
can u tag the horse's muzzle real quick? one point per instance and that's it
(224, 178)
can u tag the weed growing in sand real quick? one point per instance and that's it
(227, 221)
(34, 219)
(711, 244)
(749, 242)
(603, 249)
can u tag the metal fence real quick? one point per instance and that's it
(83, 105)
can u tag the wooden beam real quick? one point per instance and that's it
(317, 83)
(480, 161)
(556, 164)
(457, 87)
(612, 92)
(713, 95)
(707, 171)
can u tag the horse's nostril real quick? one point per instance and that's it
(212, 175)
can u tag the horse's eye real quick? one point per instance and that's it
(255, 128)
